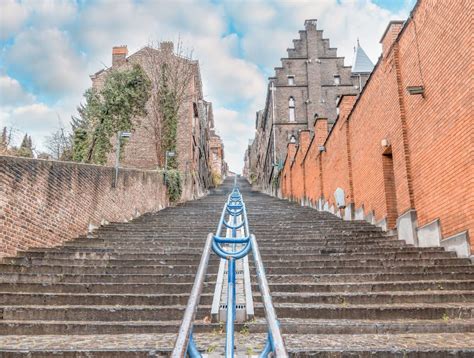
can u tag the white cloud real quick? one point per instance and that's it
(36, 119)
(65, 41)
(11, 92)
(12, 17)
(49, 59)
(50, 13)
(235, 128)
(227, 78)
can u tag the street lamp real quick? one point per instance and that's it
(120, 135)
(168, 154)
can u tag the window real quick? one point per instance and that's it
(337, 80)
(292, 139)
(291, 109)
(291, 80)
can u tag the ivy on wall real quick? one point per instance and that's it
(105, 112)
(173, 184)
(169, 106)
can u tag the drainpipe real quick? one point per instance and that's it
(273, 89)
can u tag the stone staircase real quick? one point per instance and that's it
(341, 289)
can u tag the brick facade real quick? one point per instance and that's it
(45, 203)
(305, 87)
(398, 155)
(217, 162)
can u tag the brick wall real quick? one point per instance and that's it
(392, 152)
(44, 203)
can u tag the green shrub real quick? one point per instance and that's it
(173, 184)
(216, 179)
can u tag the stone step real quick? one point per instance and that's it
(330, 269)
(367, 286)
(268, 255)
(103, 270)
(153, 288)
(155, 244)
(101, 313)
(410, 345)
(342, 298)
(214, 260)
(376, 311)
(366, 326)
(382, 277)
(285, 310)
(8, 277)
(108, 288)
(213, 268)
(288, 326)
(293, 250)
(98, 299)
(183, 234)
(362, 298)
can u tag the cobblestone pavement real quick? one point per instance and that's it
(247, 343)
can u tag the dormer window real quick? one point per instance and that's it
(337, 80)
(291, 80)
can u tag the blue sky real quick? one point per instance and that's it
(50, 47)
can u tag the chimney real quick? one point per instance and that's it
(345, 104)
(320, 131)
(167, 47)
(291, 152)
(390, 35)
(305, 138)
(119, 55)
(310, 24)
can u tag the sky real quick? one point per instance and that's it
(50, 47)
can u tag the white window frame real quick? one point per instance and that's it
(292, 109)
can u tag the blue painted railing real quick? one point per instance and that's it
(239, 248)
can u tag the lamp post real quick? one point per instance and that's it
(120, 135)
(168, 154)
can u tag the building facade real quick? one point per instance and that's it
(306, 86)
(195, 122)
(400, 154)
(219, 167)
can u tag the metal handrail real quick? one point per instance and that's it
(185, 331)
(234, 207)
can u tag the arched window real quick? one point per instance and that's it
(291, 109)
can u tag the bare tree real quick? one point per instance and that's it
(171, 72)
(59, 144)
(6, 141)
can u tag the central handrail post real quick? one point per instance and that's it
(229, 345)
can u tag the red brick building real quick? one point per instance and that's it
(400, 153)
(217, 162)
(195, 122)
